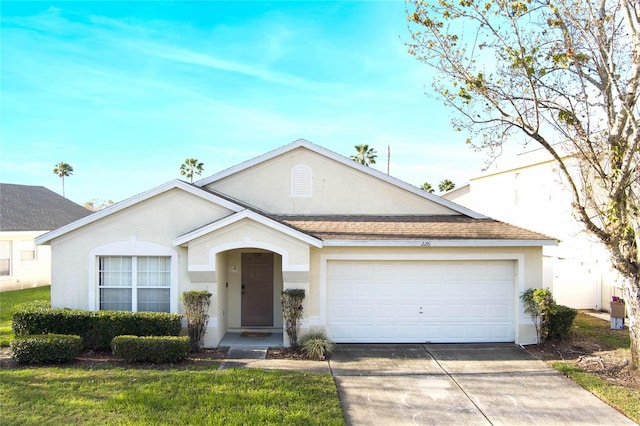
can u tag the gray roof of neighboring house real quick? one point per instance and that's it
(35, 208)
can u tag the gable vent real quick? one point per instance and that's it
(301, 181)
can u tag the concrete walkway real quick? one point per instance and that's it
(460, 384)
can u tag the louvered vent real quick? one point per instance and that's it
(301, 181)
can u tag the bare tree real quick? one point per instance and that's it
(563, 74)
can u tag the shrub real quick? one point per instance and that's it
(46, 348)
(560, 321)
(317, 345)
(97, 328)
(539, 303)
(154, 349)
(292, 312)
(196, 308)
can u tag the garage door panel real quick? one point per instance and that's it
(420, 301)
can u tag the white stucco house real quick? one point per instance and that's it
(529, 190)
(27, 212)
(380, 260)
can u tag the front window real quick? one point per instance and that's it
(134, 283)
(27, 250)
(5, 258)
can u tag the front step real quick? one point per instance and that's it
(237, 357)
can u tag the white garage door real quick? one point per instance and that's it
(420, 301)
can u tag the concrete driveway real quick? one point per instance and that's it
(461, 384)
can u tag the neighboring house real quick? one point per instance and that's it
(27, 212)
(529, 190)
(380, 260)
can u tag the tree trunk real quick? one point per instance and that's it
(632, 301)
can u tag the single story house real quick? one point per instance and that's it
(27, 212)
(380, 260)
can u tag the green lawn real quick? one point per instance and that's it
(9, 299)
(79, 396)
(591, 329)
(140, 396)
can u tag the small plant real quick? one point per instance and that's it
(539, 303)
(292, 312)
(317, 345)
(154, 349)
(196, 309)
(46, 348)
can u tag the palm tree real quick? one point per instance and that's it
(446, 185)
(365, 155)
(191, 167)
(63, 169)
(427, 187)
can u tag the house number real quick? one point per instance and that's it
(426, 244)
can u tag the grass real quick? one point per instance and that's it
(9, 299)
(623, 399)
(590, 328)
(81, 396)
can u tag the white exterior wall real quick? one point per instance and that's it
(151, 223)
(336, 189)
(26, 273)
(531, 193)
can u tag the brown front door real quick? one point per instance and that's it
(257, 289)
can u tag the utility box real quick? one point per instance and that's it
(617, 323)
(617, 310)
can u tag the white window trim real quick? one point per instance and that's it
(132, 247)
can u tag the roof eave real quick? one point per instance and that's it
(440, 243)
(179, 184)
(247, 214)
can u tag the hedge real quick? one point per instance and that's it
(97, 328)
(154, 349)
(560, 322)
(46, 348)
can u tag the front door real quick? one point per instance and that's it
(257, 289)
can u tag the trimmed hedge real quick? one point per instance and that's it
(560, 322)
(46, 348)
(97, 328)
(154, 349)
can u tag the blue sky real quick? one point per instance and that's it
(125, 91)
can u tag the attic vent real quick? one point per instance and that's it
(301, 181)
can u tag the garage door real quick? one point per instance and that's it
(420, 301)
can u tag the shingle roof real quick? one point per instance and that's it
(408, 228)
(35, 208)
